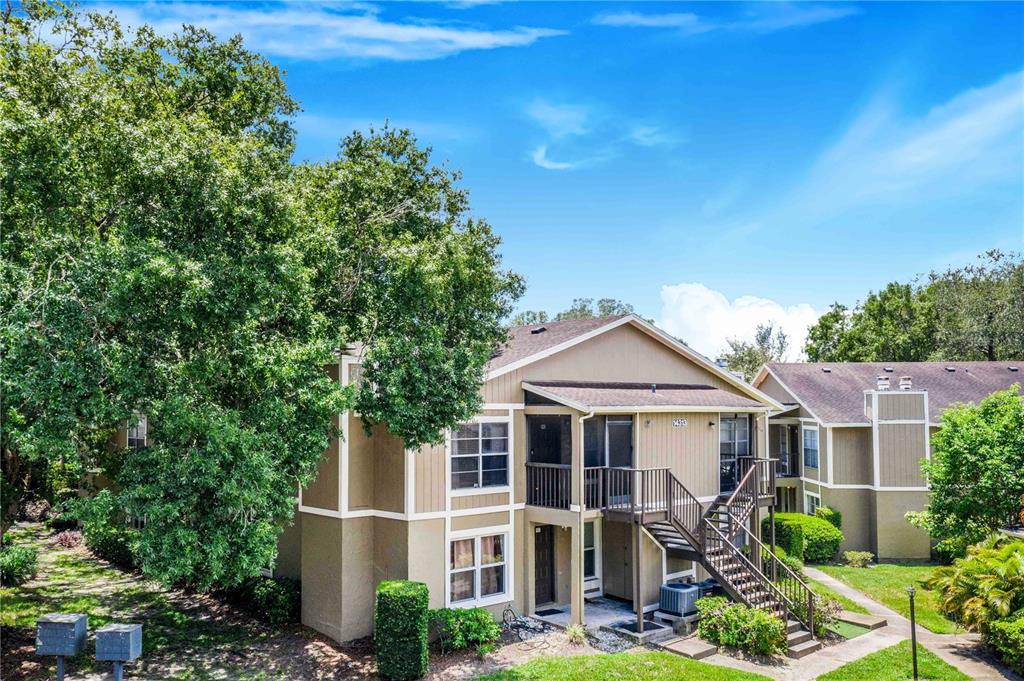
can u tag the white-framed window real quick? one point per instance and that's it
(479, 455)
(137, 433)
(478, 569)
(811, 502)
(810, 447)
(734, 435)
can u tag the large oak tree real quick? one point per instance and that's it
(161, 255)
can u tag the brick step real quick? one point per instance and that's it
(797, 637)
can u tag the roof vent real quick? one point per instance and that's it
(905, 383)
(950, 369)
(539, 329)
(1013, 368)
(826, 370)
(883, 382)
(654, 387)
(887, 370)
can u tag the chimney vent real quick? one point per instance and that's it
(887, 370)
(905, 383)
(883, 382)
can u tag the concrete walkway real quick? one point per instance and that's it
(963, 651)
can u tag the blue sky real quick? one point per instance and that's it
(716, 165)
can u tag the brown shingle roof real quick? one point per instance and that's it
(609, 395)
(837, 395)
(523, 342)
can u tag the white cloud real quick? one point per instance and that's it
(637, 20)
(589, 134)
(559, 120)
(313, 31)
(540, 157)
(971, 141)
(705, 319)
(761, 18)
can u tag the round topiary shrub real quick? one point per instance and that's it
(831, 515)
(400, 629)
(788, 536)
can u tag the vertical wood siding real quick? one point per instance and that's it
(900, 450)
(853, 462)
(430, 482)
(691, 452)
(893, 406)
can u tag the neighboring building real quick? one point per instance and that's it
(852, 437)
(602, 461)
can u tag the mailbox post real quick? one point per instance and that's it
(119, 643)
(62, 635)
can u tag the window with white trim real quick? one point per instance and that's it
(480, 455)
(477, 568)
(811, 447)
(137, 434)
(811, 503)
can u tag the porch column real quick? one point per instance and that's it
(531, 569)
(576, 603)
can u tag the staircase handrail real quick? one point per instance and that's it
(690, 530)
(791, 581)
(759, 576)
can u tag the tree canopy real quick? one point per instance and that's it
(969, 313)
(162, 256)
(746, 358)
(581, 308)
(976, 471)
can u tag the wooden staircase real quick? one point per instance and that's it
(713, 536)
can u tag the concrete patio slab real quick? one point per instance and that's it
(866, 621)
(692, 647)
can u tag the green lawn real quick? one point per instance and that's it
(887, 583)
(619, 667)
(846, 603)
(894, 664)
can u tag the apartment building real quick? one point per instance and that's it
(607, 459)
(852, 437)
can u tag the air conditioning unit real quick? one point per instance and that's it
(678, 598)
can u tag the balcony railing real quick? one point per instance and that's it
(548, 484)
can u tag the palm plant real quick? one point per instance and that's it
(984, 586)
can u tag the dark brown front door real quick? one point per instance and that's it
(544, 564)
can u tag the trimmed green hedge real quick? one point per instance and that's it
(821, 539)
(400, 629)
(788, 536)
(1007, 637)
(830, 515)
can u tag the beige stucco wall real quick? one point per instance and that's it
(428, 555)
(322, 578)
(856, 505)
(897, 538)
(289, 550)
